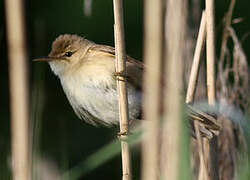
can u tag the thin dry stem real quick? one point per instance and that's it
(121, 86)
(228, 19)
(203, 174)
(210, 148)
(175, 31)
(18, 90)
(152, 58)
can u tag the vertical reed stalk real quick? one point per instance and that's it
(175, 31)
(211, 148)
(121, 86)
(152, 58)
(191, 91)
(18, 89)
(210, 52)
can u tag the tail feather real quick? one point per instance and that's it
(208, 124)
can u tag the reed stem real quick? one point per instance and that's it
(152, 58)
(175, 34)
(210, 148)
(203, 174)
(20, 149)
(121, 86)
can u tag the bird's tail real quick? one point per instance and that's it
(208, 124)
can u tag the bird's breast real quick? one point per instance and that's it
(98, 96)
(92, 88)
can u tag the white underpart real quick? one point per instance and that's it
(99, 102)
(93, 93)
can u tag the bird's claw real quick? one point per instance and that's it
(120, 75)
(122, 135)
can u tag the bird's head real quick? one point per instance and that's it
(67, 50)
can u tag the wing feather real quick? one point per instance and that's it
(134, 67)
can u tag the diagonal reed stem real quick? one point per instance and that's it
(196, 60)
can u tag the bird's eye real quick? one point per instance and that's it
(68, 54)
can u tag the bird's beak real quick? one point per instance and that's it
(45, 59)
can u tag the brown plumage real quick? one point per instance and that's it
(87, 74)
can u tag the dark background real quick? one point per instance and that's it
(64, 138)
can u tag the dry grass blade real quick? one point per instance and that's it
(18, 90)
(241, 74)
(203, 174)
(209, 121)
(228, 19)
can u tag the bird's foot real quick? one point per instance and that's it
(123, 135)
(121, 76)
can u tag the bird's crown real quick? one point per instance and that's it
(67, 43)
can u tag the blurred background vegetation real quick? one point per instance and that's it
(58, 134)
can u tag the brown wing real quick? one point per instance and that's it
(208, 124)
(134, 67)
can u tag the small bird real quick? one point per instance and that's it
(88, 77)
(87, 74)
